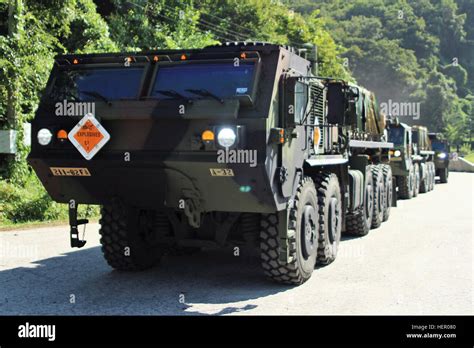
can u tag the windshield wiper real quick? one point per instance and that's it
(205, 93)
(97, 95)
(173, 94)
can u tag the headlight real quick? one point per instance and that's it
(44, 136)
(397, 153)
(442, 155)
(226, 137)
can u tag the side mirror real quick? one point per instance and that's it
(336, 103)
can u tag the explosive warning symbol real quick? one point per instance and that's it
(89, 136)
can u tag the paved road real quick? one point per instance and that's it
(419, 262)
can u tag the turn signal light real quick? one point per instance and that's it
(62, 134)
(207, 135)
(316, 136)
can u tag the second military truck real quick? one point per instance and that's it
(411, 159)
(225, 145)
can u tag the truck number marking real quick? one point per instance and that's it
(221, 172)
(62, 171)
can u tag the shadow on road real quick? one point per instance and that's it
(80, 282)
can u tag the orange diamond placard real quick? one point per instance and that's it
(88, 136)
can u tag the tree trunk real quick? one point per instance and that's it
(15, 8)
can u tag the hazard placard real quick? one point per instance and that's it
(88, 136)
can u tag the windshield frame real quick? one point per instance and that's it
(403, 132)
(254, 82)
(435, 142)
(58, 69)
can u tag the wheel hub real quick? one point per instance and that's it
(308, 229)
(146, 227)
(333, 219)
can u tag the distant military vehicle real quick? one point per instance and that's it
(442, 150)
(411, 159)
(212, 147)
(401, 161)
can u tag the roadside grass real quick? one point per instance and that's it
(29, 205)
(19, 226)
(470, 157)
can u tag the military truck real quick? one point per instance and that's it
(441, 156)
(226, 145)
(401, 161)
(412, 159)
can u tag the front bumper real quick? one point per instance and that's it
(156, 181)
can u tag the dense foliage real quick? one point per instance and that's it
(404, 50)
(419, 51)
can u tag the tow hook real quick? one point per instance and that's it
(74, 223)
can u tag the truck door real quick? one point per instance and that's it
(293, 150)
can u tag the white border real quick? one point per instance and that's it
(98, 146)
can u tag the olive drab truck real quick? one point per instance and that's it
(411, 159)
(232, 144)
(441, 156)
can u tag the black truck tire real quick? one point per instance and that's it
(129, 238)
(330, 217)
(302, 250)
(358, 223)
(443, 175)
(388, 190)
(431, 176)
(405, 186)
(416, 181)
(378, 205)
(425, 182)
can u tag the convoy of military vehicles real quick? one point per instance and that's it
(228, 145)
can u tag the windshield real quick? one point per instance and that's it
(396, 135)
(438, 146)
(223, 80)
(86, 84)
